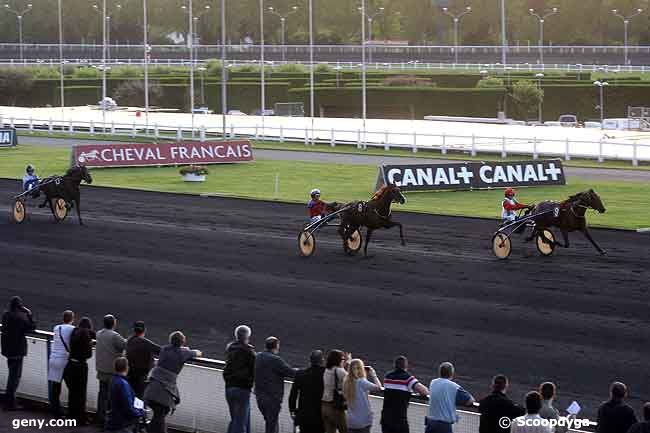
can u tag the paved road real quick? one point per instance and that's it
(337, 158)
(205, 265)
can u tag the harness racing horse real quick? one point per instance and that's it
(568, 216)
(373, 215)
(65, 187)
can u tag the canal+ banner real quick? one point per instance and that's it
(472, 175)
(8, 137)
(145, 154)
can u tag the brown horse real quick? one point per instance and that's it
(373, 215)
(66, 187)
(568, 216)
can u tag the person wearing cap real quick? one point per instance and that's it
(16, 322)
(140, 352)
(510, 205)
(270, 372)
(110, 346)
(30, 180)
(317, 207)
(306, 394)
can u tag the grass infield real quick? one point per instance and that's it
(628, 203)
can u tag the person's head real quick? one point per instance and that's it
(500, 383)
(618, 391)
(316, 358)
(334, 358)
(29, 169)
(121, 366)
(446, 370)
(110, 322)
(357, 371)
(315, 193)
(243, 333)
(68, 317)
(86, 323)
(139, 328)
(177, 339)
(510, 193)
(272, 344)
(646, 412)
(16, 303)
(547, 389)
(533, 402)
(401, 363)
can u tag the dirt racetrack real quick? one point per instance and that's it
(204, 265)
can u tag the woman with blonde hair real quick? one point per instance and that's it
(356, 388)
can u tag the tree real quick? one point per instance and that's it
(131, 93)
(14, 83)
(527, 96)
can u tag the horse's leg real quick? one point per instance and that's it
(401, 230)
(593, 242)
(565, 236)
(368, 236)
(533, 233)
(76, 202)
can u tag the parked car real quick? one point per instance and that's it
(236, 113)
(107, 103)
(569, 120)
(202, 110)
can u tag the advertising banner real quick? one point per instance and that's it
(8, 137)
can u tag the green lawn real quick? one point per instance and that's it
(628, 204)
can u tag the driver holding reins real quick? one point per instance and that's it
(30, 181)
(317, 207)
(510, 205)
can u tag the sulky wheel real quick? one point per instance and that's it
(59, 209)
(501, 246)
(306, 243)
(545, 241)
(352, 245)
(19, 211)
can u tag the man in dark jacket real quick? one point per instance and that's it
(498, 405)
(239, 375)
(140, 352)
(642, 427)
(615, 416)
(399, 384)
(123, 415)
(15, 323)
(270, 372)
(307, 392)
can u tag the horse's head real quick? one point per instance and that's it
(589, 199)
(392, 192)
(81, 172)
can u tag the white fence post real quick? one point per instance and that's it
(473, 144)
(70, 127)
(415, 142)
(635, 161)
(31, 124)
(2, 121)
(179, 134)
(281, 134)
(134, 131)
(11, 122)
(332, 139)
(535, 148)
(600, 150)
(567, 155)
(504, 153)
(92, 128)
(358, 139)
(156, 132)
(50, 127)
(232, 131)
(386, 145)
(444, 144)
(256, 133)
(202, 134)
(306, 137)
(112, 128)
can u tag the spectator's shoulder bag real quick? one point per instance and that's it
(339, 398)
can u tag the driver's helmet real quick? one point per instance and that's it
(29, 169)
(509, 192)
(315, 193)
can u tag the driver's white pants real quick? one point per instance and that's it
(316, 218)
(510, 218)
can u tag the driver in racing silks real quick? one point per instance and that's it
(30, 181)
(510, 205)
(317, 207)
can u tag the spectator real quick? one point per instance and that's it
(498, 405)
(81, 350)
(399, 384)
(239, 374)
(356, 388)
(270, 371)
(123, 416)
(162, 393)
(140, 352)
(15, 323)
(642, 427)
(615, 416)
(110, 346)
(307, 391)
(531, 422)
(59, 354)
(548, 411)
(333, 377)
(444, 396)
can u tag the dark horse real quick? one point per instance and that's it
(66, 187)
(374, 214)
(568, 216)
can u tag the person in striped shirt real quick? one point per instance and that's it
(399, 384)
